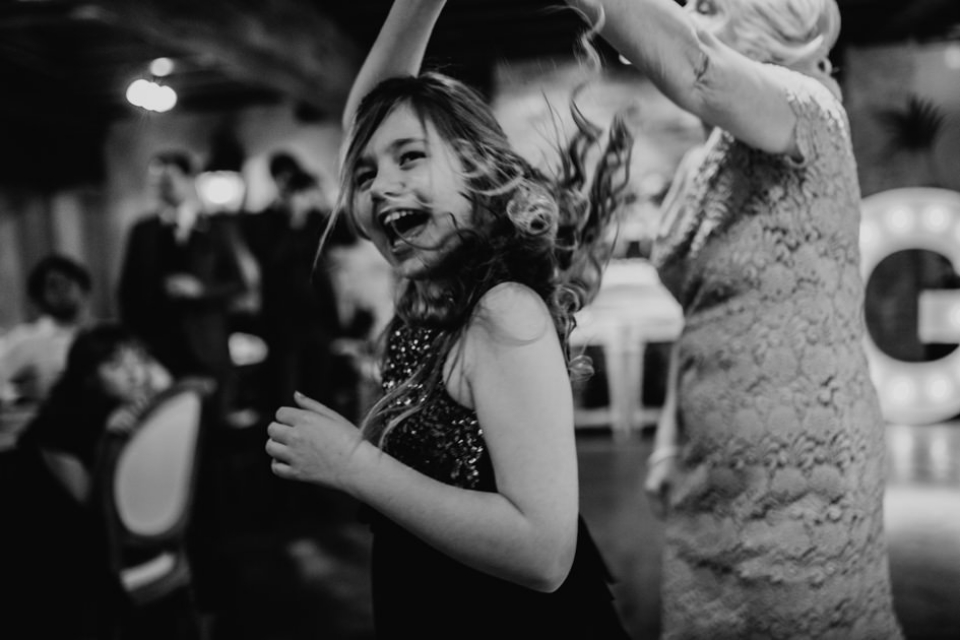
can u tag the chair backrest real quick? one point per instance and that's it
(153, 478)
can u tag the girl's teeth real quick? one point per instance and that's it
(394, 216)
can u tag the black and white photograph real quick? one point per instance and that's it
(480, 319)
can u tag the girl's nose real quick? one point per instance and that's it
(386, 183)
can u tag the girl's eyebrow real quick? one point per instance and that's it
(400, 142)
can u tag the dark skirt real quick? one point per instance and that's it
(421, 593)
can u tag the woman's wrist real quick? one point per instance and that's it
(661, 454)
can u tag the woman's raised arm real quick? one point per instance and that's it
(697, 71)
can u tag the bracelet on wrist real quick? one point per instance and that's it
(661, 454)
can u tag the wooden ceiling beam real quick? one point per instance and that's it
(285, 45)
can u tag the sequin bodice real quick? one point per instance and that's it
(443, 439)
(420, 592)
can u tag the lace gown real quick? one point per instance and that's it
(421, 593)
(776, 523)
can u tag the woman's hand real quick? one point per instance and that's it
(661, 469)
(313, 443)
(662, 463)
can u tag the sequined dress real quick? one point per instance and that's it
(421, 593)
(776, 523)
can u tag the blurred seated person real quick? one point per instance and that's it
(57, 541)
(108, 379)
(34, 353)
(299, 319)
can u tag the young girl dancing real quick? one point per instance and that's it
(468, 462)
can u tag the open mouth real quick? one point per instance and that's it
(403, 224)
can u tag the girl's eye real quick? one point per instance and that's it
(361, 179)
(411, 156)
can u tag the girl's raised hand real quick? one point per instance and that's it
(313, 443)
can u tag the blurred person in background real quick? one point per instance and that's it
(56, 563)
(299, 318)
(33, 354)
(181, 275)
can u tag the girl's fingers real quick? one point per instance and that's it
(281, 469)
(307, 403)
(279, 432)
(273, 449)
(293, 415)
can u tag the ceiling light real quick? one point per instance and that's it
(221, 191)
(161, 67)
(151, 96)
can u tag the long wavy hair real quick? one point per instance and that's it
(548, 232)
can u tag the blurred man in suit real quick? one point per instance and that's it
(181, 275)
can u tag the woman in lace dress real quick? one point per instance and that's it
(768, 463)
(468, 464)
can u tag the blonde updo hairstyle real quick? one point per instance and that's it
(798, 34)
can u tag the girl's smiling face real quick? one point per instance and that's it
(411, 197)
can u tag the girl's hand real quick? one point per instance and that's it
(313, 443)
(661, 469)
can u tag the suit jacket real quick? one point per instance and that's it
(188, 336)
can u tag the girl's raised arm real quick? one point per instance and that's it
(398, 50)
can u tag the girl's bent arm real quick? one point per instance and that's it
(512, 372)
(698, 72)
(518, 385)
